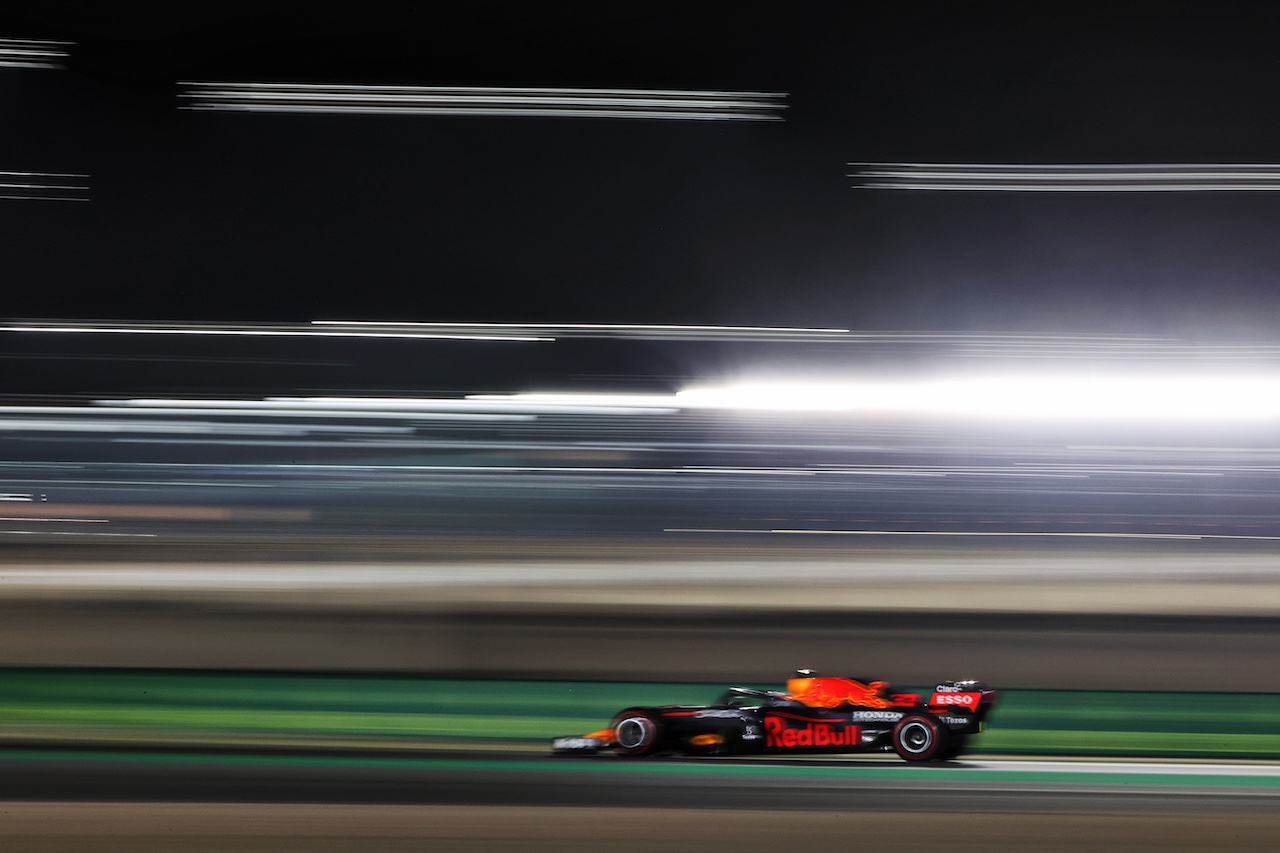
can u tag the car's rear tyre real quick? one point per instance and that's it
(920, 738)
(636, 732)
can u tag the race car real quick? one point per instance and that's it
(813, 715)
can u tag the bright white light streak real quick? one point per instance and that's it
(1000, 177)
(666, 331)
(1192, 397)
(32, 53)
(9, 185)
(484, 101)
(969, 534)
(43, 186)
(1128, 398)
(235, 408)
(21, 197)
(481, 407)
(1077, 188)
(641, 401)
(662, 327)
(97, 424)
(251, 332)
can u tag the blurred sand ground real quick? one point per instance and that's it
(142, 827)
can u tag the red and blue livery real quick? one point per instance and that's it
(813, 715)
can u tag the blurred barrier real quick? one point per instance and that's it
(400, 632)
(148, 708)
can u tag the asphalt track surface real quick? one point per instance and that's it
(496, 779)
(108, 802)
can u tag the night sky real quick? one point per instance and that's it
(246, 217)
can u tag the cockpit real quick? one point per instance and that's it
(750, 697)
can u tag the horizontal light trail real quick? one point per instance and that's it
(33, 53)
(669, 332)
(1080, 188)
(133, 424)
(993, 177)
(483, 101)
(310, 434)
(970, 534)
(255, 408)
(1160, 398)
(1151, 397)
(983, 345)
(461, 409)
(583, 326)
(256, 330)
(604, 572)
(512, 332)
(44, 186)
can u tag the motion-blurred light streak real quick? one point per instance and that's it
(1052, 396)
(656, 332)
(33, 53)
(483, 101)
(193, 427)
(44, 186)
(246, 409)
(1191, 397)
(405, 409)
(993, 177)
(944, 345)
(971, 534)
(253, 330)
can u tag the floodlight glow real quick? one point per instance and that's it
(1158, 398)
(1198, 397)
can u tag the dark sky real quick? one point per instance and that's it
(224, 217)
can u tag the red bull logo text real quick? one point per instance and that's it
(815, 735)
(834, 692)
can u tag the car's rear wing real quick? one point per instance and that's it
(959, 697)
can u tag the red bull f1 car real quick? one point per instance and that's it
(813, 715)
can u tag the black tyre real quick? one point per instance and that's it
(636, 732)
(920, 738)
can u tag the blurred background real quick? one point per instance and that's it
(356, 359)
